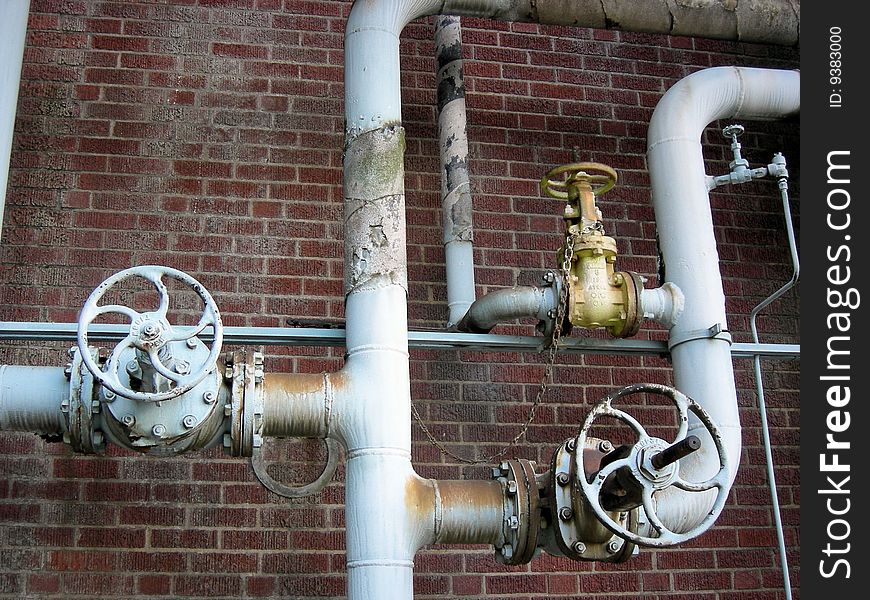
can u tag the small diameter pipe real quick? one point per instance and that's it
(456, 206)
(13, 31)
(30, 399)
(507, 305)
(663, 304)
(759, 385)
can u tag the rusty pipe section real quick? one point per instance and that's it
(469, 512)
(299, 405)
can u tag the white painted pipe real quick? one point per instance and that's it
(31, 397)
(702, 363)
(13, 31)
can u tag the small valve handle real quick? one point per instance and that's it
(600, 178)
(150, 333)
(733, 131)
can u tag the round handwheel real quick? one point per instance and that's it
(558, 180)
(149, 332)
(642, 460)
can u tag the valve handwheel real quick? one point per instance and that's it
(600, 177)
(653, 466)
(149, 332)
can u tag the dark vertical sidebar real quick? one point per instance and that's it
(835, 300)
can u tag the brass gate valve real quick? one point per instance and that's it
(598, 296)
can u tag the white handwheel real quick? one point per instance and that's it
(149, 332)
(653, 464)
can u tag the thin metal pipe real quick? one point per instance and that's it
(762, 406)
(422, 340)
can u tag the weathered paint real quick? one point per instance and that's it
(299, 404)
(374, 221)
(472, 512)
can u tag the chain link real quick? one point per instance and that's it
(547, 379)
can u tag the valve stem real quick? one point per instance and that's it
(679, 450)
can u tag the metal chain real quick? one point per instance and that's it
(561, 308)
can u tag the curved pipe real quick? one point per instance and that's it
(702, 360)
(507, 305)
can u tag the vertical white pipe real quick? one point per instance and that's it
(13, 31)
(384, 530)
(702, 364)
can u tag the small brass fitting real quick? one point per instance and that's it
(598, 295)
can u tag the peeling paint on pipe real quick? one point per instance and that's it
(456, 205)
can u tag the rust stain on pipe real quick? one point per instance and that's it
(472, 512)
(299, 405)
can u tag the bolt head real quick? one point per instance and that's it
(549, 277)
(514, 523)
(579, 547)
(571, 445)
(189, 421)
(512, 487)
(566, 513)
(109, 395)
(563, 479)
(128, 420)
(605, 446)
(158, 430)
(182, 367)
(613, 546)
(191, 343)
(507, 551)
(132, 366)
(208, 397)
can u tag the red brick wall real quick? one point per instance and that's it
(206, 135)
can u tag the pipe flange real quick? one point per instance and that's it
(82, 406)
(632, 287)
(245, 407)
(522, 511)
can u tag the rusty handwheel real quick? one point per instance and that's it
(600, 177)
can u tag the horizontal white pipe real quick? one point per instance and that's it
(31, 397)
(13, 31)
(664, 304)
(702, 364)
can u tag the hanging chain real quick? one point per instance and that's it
(561, 308)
